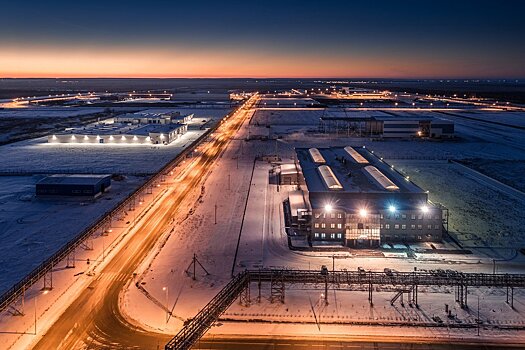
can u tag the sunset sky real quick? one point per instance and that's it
(375, 39)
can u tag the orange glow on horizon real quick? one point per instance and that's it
(129, 62)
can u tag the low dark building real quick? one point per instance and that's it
(73, 185)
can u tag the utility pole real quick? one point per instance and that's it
(478, 316)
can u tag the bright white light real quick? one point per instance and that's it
(328, 207)
(424, 209)
(363, 212)
(392, 208)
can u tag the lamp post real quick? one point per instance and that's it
(167, 308)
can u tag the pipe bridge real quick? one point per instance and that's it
(404, 282)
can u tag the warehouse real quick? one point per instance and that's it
(289, 174)
(154, 116)
(73, 185)
(356, 199)
(123, 134)
(388, 126)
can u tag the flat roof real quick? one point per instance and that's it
(351, 175)
(72, 179)
(155, 128)
(288, 169)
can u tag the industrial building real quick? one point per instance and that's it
(154, 116)
(73, 185)
(354, 198)
(388, 126)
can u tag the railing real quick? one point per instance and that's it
(197, 327)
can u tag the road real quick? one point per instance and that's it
(93, 320)
(313, 344)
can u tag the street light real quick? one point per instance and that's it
(392, 208)
(424, 209)
(167, 308)
(363, 212)
(328, 207)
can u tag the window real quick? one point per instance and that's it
(387, 226)
(339, 225)
(316, 225)
(420, 217)
(360, 226)
(324, 215)
(419, 237)
(323, 235)
(332, 235)
(396, 226)
(413, 227)
(332, 215)
(381, 216)
(339, 215)
(332, 225)
(419, 227)
(317, 215)
(429, 227)
(316, 235)
(339, 235)
(323, 225)
(437, 217)
(397, 216)
(413, 216)
(403, 227)
(381, 226)
(436, 227)
(403, 216)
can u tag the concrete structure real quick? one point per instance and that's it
(289, 174)
(73, 185)
(388, 126)
(118, 133)
(356, 199)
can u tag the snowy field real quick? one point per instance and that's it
(48, 112)
(474, 216)
(276, 117)
(38, 155)
(33, 229)
(286, 102)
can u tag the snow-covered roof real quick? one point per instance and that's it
(73, 179)
(297, 202)
(288, 169)
(350, 174)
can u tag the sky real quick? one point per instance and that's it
(262, 39)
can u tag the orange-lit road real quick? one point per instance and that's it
(93, 320)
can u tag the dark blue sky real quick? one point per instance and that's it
(266, 38)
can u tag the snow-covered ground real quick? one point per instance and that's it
(37, 155)
(482, 214)
(48, 112)
(32, 229)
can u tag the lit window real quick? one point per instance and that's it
(332, 235)
(332, 215)
(339, 215)
(339, 235)
(396, 226)
(429, 227)
(316, 235)
(339, 225)
(323, 225)
(316, 225)
(317, 215)
(332, 225)
(403, 227)
(387, 226)
(381, 226)
(413, 227)
(413, 216)
(404, 216)
(381, 216)
(420, 227)
(323, 235)
(420, 217)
